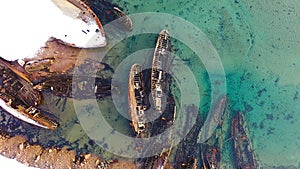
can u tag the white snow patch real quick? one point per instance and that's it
(13, 164)
(27, 25)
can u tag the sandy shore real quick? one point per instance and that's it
(36, 156)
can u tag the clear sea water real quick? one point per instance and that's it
(258, 44)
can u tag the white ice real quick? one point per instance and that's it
(27, 24)
(12, 164)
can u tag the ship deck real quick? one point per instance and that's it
(135, 98)
(161, 63)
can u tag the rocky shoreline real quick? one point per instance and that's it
(36, 156)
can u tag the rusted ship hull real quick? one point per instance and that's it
(20, 99)
(164, 143)
(159, 84)
(211, 156)
(109, 12)
(159, 161)
(160, 65)
(243, 152)
(186, 156)
(214, 119)
(136, 99)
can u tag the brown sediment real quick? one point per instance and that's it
(36, 156)
(65, 57)
(54, 57)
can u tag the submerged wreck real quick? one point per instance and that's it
(244, 155)
(214, 119)
(158, 86)
(187, 150)
(211, 156)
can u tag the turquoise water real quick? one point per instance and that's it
(258, 44)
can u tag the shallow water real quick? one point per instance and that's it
(258, 44)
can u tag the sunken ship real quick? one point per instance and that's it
(160, 65)
(244, 155)
(136, 99)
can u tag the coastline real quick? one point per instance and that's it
(18, 149)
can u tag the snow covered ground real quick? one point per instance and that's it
(27, 25)
(12, 163)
